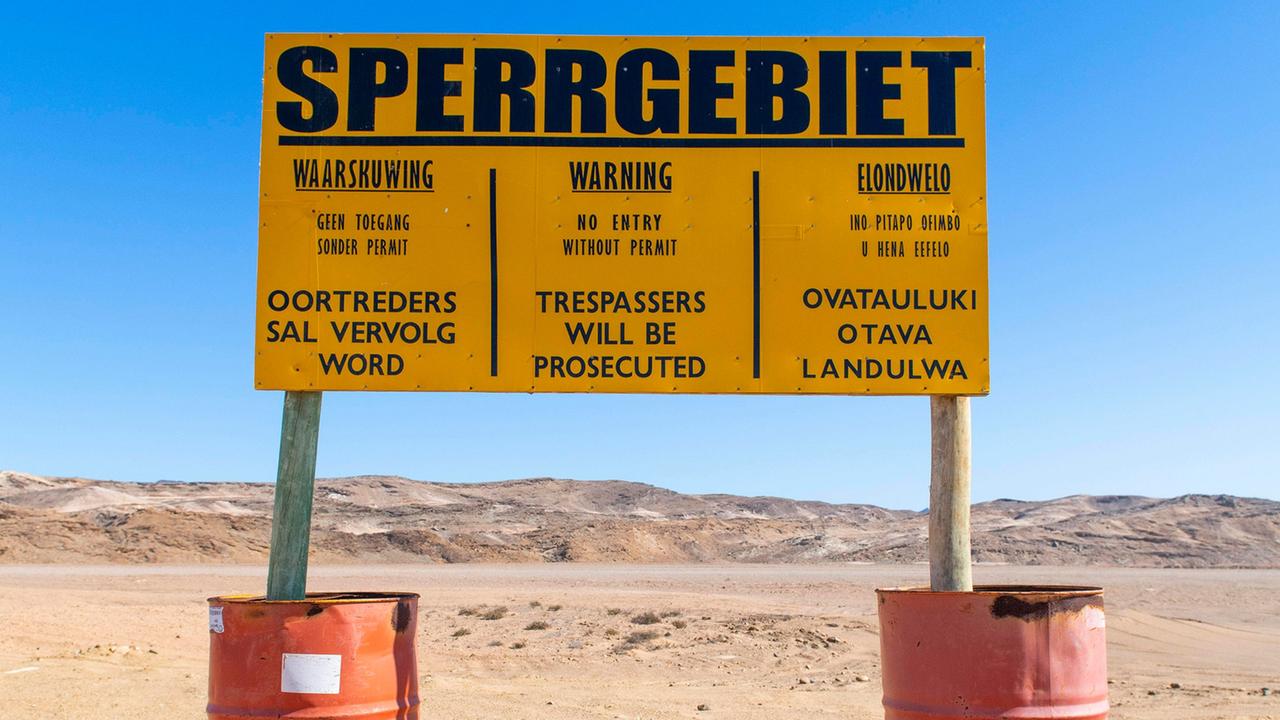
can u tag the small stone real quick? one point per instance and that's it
(861, 678)
(703, 707)
(1175, 686)
(1151, 692)
(1266, 692)
(802, 681)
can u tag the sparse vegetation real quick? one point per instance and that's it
(614, 611)
(679, 624)
(646, 618)
(640, 637)
(610, 633)
(554, 608)
(517, 645)
(495, 613)
(535, 604)
(468, 611)
(536, 625)
(460, 632)
(670, 613)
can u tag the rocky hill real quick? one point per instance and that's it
(394, 519)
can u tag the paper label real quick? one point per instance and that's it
(306, 673)
(215, 619)
(1094, 618)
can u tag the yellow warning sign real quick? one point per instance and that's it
(623, 214)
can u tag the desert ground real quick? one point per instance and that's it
(742, 641)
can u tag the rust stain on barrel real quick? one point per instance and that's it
(1028, 610)
(401, 617)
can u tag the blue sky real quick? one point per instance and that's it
(1133, 160)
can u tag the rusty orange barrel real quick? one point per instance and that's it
(996, 652)
(333, 655)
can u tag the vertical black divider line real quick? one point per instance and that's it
(755, 280)
(493, 272)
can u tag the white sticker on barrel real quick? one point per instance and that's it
(215, 619)
(1094, 619)
(306, 673)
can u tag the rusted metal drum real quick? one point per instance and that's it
(333, 655)
(996, 652)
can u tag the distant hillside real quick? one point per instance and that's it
(393, 519)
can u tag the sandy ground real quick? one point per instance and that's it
(129, 642)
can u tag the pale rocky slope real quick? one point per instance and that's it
(393, 519)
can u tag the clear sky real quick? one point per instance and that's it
(1134, 220)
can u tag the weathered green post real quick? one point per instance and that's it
(295, 488)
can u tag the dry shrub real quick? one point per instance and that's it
(554, 608)
(679, 624)
(496, 613)
(639, 638)
(460, 632)
(517, 645)
(614, 611)
(536, 625)
(671, 614)
(646, 618)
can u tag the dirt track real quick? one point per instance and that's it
(129, 643)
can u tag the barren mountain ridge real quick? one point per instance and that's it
(394, 519)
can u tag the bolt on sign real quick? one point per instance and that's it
(623, 214)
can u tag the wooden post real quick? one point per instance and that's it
(950, 567)
(295, 486)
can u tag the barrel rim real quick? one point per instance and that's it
(317, 598)
(1061, 591)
